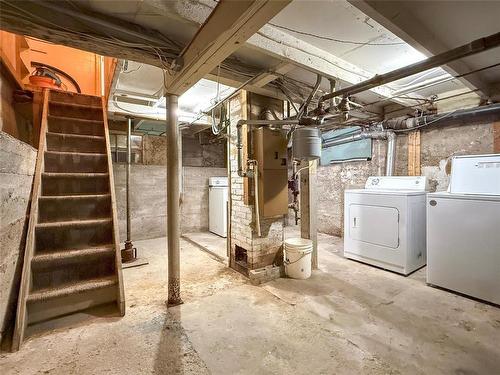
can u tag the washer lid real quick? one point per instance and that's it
(397, 183)
(475, 174)
(448, 195)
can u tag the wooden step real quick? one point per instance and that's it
(76, 142)
(72, 254)
(75, 110)
(70, 125)
(90, 106)
(70, 97)
(55, 184)
(73, 223)
(77, 234)
(75, 288)
(74, 207)
(64, 161)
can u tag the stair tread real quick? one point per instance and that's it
(77, 105)
(73, 223)
(75, 153)
(74, 196)
(72, 253)
(72, 119)
(73, 288)
(71, 135)
(74, 174)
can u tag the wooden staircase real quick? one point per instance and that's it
(72, 258)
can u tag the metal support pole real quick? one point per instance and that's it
(129, 160)
(129, 253)
(173, 203)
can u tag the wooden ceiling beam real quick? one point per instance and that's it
(229, 25)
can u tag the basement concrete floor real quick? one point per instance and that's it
(211, 243)
(347, 318)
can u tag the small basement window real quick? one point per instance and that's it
(354, 151)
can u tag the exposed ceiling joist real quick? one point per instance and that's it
(296, 52)
(229, 25)
(236, 82)
(293, 50)
(265, 78)
(402, 22)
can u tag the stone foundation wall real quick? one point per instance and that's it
(438, 145)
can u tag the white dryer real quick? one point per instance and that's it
(463, 229)
(384, 223)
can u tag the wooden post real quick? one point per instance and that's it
(496, 137)
(414, 153)
(308, 208)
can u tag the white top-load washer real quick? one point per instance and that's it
(463, 229)
(384, 223)
(217, 205)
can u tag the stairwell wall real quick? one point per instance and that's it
(17, 166)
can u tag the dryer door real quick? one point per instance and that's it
(377, 225)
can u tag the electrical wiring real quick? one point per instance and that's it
(281, 42)
(416, 79)
(331, 39)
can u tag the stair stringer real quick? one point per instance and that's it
(21, 318)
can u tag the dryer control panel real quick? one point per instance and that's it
(414, 183)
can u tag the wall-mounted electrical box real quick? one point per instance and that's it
(270, 151)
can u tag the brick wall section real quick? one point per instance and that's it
(264, 250)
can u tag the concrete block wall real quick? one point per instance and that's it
(17, 166)
(194, 208)
(148, 187)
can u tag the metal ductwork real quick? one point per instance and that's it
(469, 49)
(484, 114)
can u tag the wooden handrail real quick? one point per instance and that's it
(21, 319)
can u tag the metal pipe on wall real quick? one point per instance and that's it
(173, 202)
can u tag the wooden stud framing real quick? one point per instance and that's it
(308, 208)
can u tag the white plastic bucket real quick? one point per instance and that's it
(297, 258)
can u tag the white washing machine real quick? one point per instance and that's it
(384, 223)
(217, 205)
(463, 229)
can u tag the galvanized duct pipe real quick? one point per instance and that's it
(469, 49)
(485, 114)
(390, 159)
